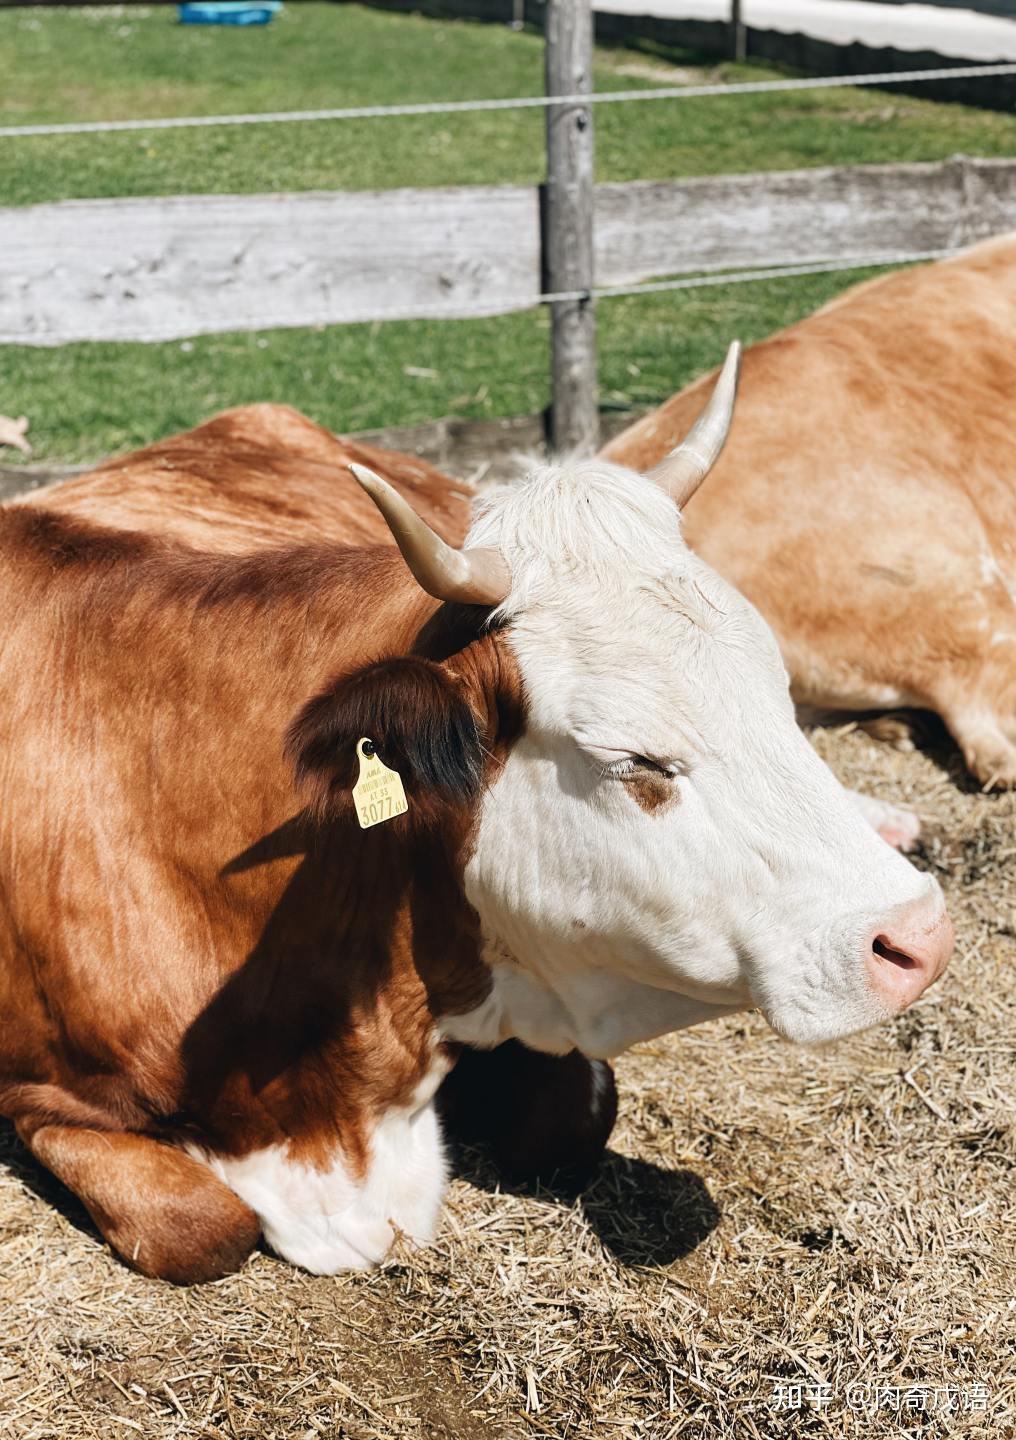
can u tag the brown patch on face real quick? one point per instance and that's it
(493, 680)
(652, 792)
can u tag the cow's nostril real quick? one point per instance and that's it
(886, 951)
(903, 959)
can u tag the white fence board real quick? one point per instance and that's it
(165, 268)
(646, 228)
(195, 264)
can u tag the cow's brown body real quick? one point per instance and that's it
(257, 477)
(186, 955)
(866, 499)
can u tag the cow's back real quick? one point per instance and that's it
(255, 477)
(866, 499)
(903, 384)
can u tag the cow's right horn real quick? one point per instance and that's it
(470, 577)
(684, 469)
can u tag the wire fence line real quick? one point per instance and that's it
(579, 283)
(711, 276)
(519, 102)
(489, 309)
(773, 272)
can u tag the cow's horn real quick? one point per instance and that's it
(471, 577)
(684, 469)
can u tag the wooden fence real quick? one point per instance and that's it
(159, 269)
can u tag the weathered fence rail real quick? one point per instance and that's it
(159, 269)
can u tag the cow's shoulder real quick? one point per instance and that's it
(253, 478)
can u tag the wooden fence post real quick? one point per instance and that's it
(738, 33)
(568, 227)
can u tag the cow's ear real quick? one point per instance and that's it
(422, 726)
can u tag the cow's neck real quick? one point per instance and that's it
(576, 1009)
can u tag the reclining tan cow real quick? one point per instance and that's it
(866, 501)
(227, 1007)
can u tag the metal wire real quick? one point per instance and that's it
(520, 102)
(692, 282)
(737, 277)
(492, 308)
(775, 272)
(533, 102)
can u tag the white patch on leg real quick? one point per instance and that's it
(602, 1078)
(898, 827)
(330, 1220)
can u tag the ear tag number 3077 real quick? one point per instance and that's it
(378, 793)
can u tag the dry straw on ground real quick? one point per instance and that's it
(765, 1216)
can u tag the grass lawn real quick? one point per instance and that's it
(62, 65)
(136, 61)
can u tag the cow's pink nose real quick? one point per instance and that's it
(911, 952)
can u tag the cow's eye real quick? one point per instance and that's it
(630, 765)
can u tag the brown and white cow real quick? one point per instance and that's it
(866, 501)
(225, 1007)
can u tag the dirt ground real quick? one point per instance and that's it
(767, 1218)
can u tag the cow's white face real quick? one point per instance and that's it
(663, 844)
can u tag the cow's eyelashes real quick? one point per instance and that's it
(613, 762)
(630, 765)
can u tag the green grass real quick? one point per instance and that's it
(88, 400)
(88, 65)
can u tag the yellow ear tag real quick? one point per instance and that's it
(378, 794)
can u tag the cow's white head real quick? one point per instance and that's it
(662, 843)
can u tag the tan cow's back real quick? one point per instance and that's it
(866, 500)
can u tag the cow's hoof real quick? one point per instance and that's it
(899, 828)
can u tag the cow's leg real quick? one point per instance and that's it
(897, 730)
(166, 1214)
(898, 827)
(985, 732)
(540, 1114)
(987, 749)
(971, 680)
(977, 701)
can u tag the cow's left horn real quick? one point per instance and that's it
(684, 469)
(471, 577)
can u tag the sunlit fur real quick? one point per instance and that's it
(759, 884)
(866, 499)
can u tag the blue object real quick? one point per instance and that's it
(229, 12)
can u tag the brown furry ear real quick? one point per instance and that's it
(421, 725)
